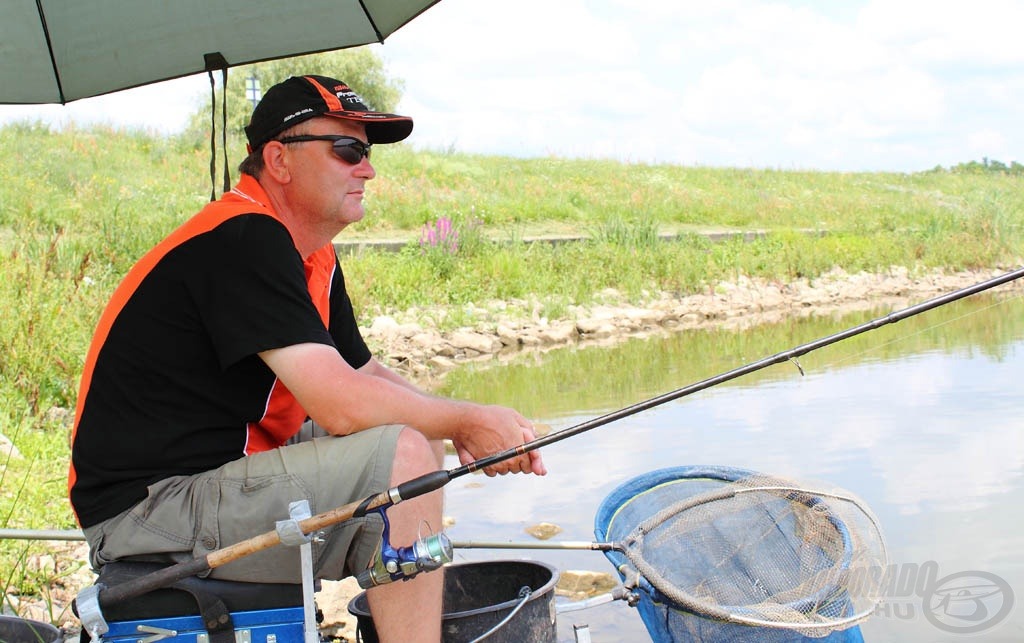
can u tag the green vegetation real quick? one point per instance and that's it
(872, 221)
(986, 166)
(78, 207)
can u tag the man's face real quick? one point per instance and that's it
(325, 188)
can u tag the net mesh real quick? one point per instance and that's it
(758, 550)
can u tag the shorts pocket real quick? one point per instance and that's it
(162, 526)
(246, 509)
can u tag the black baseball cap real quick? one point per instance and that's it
(301, 98)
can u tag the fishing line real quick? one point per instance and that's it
(1003, 301)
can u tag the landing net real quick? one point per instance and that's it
(714, 546)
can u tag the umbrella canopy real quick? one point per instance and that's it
(56, 51)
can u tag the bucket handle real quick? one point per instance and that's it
(524, 595)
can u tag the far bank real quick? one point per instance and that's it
(412, 343)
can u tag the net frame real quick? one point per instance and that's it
(841, 530)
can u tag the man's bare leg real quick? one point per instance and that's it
(410, 611)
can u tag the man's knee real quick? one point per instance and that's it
(414, 455)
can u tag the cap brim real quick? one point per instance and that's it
(380, 127)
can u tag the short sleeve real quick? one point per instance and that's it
(343, 326)
(252, 296)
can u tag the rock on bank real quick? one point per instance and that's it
(412, 342)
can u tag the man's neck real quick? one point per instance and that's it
(307, 236)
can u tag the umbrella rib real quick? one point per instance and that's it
(49, 47)
(366, 12)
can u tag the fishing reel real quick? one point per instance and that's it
(389, 564)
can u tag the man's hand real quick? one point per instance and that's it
(344, 400)
(491, 429)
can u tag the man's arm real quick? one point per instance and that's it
(375, 368)
(344, 400)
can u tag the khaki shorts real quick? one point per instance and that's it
(185, 517)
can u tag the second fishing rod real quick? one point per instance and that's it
(433, 481)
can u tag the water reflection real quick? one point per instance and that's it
(921, 418)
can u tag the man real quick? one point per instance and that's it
(233, 331)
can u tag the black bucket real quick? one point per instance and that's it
(478, 596)
(19, 630)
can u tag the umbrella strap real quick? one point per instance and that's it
(224, 128)
(217, 61)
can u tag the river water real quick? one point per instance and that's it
(923, 419)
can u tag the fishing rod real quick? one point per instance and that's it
(435, 480)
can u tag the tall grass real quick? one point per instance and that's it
(79, 206)
(415, 187)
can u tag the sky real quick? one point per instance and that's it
(847, 85)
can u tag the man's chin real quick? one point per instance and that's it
(352, 215)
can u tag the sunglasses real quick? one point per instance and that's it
(348, 149)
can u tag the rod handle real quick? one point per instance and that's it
(424, 484)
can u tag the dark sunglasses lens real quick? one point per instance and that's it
(351, 151)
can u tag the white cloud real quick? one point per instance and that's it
(164, 107)
(962, 33)
(737, 83)
(985, 140)
(881, 85)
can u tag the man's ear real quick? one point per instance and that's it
(275, 162)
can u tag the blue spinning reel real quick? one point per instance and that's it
(390, 564)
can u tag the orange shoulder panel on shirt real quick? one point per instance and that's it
(211, 216)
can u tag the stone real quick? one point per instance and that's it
(59, 415)
(579, 585)
(446, 350)
(691, 318)
(7, 449)
(544, 530)
(462, 339)
(426, 339)
(643, 317)
(591, 325)
(439, 361)
(383, 326)
(530, 338)
(604, 331)
(332, 600)
(559, 334)
(507, 335)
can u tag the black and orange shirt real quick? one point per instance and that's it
(173, 383)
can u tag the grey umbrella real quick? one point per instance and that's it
(56, 51)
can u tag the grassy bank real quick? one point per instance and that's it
(78, 207)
